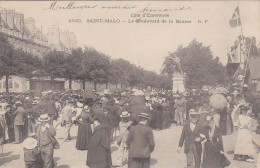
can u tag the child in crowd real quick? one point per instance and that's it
(31, 152)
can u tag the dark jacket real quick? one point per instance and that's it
(50, 136)
(141, 141)
(99, 153)
(51, 108)
(20, 116)
(30, 154)
(212, 147)
(1, 131)
(188, 136)
(216, 138)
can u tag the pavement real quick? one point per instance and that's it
(164, 156)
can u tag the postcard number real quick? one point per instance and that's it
(75, 21)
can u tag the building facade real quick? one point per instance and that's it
(23, 34)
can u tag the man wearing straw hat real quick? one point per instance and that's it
(141, 143)
(191, 138)
(124, 126)
(45, 135)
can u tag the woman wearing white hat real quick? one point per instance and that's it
(78, 111)
(123, 149)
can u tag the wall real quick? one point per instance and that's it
(16, 84)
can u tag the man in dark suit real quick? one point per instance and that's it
(141, 143)
(191, 137)
(99, 152)
(19, 119)
(51, 108)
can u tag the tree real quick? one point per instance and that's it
(115, 74)
(54, 64)
(124, 67)
(8, 64)
(16, 61)
(73, 65)
(199, 65)
(98, 64)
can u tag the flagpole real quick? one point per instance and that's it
(242, 38)
(240, 20)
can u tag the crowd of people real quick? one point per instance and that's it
(32, 119)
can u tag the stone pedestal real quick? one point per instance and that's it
(178, 83)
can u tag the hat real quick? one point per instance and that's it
(79, 105)
(18, 102)
(86, 107)
(144, 115)
(193, 112)
(147, 98)
(44, 117)
(209, 118)
(29, 143)
(2, 112)
(32, 134)
(125, 114)
(35, 102)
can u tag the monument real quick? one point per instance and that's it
(178, 77)
(178, 83)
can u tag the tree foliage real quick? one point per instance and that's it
(16, 61)
(83, 65)
(199, 65)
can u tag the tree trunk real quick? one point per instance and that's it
(121, 86)
(84, 85)
(131, 87)
(95, 86)
(6, 83)
(106, 85)
(116, 85)
(70, 82)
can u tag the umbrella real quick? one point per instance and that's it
(218, 101)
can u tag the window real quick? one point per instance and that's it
(10, 84)
(16, 85)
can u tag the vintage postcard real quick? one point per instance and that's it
(129, 84)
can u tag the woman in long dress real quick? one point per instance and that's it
(244, 146)
(84, 129)
(213, 147)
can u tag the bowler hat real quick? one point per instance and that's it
(144, 115)
(193, 112)
(125, 114)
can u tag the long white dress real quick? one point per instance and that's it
(244, 144)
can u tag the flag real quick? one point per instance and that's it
(235, 20)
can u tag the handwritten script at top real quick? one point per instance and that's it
(74, 5)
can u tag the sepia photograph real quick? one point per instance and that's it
(130, 84)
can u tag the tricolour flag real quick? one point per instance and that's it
(235, 20)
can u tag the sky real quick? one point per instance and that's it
(147, 44)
